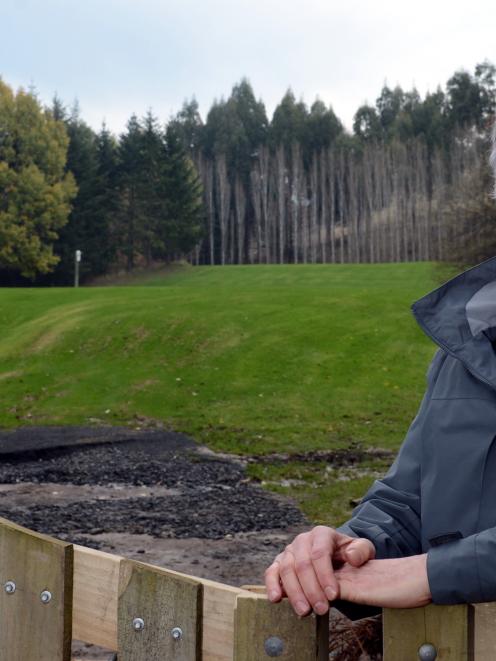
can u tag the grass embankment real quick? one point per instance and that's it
(249, 360)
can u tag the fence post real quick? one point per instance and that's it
(159, 614)
(263, 630)
(428, 633)
(35, 595)
(483, 632)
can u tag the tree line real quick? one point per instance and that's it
(408, 183)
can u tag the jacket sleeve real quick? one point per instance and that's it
(464, 570)
(389, 513)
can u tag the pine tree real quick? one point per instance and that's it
(289, 122)
(106, 203)
(82, 231)
(323, 127)
(182, 226)
(189, 126)
(131, 214)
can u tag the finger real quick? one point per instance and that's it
(273, 580)
(292, 585)
(359, 551)
(321, 555)
(305, 571)
(342, 542)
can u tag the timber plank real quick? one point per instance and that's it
(163, 604)
(405, 630)
(447, 628)
(96, 589)
(258, 622)
(483, 634)
(31, 630)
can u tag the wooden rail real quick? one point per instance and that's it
(52, 592)
(464, 632)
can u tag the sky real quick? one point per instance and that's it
(118, 57)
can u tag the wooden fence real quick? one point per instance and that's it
(54, 591)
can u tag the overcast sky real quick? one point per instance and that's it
(123, 56)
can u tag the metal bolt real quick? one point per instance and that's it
(46, 596)
(427, 652)
(10, 587)
(273, 646)
(138, 624)
(177, 633)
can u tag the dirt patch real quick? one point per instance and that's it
(355, 453)
(10, 375)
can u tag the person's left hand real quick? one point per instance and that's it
(389, 583)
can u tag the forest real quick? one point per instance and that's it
(410, 182)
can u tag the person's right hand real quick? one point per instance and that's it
(304, 570)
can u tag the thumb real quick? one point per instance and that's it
(359, 551)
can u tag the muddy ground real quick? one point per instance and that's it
(152, 495)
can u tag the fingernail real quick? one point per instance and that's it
(330, 593)
(273, 595)
(301, 607)
(320, 608)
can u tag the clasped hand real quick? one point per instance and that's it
(323, 564)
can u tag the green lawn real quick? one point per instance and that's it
(247, 359)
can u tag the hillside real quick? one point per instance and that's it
(247, 359)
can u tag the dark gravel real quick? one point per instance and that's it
(209, 514)
(214, 496)
(125, 463)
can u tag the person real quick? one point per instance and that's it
(426, 531)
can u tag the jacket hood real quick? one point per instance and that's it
(460, 316)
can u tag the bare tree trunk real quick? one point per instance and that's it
(257, 208)
(272, 211)
(397, 203)
(295, 196)
(224, 203)
(314, 208)
(352, 221)
(232, 236)
(282, 181)
(368, 203)
(240, 201)
(264, 165)
(209, 192)
(331, 161)
(382, 188)
(323, 238)
(305, 229)
(341, 202)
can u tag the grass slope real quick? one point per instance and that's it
(248, 359)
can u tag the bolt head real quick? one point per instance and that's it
(46, 596)
(427, 652)
(138, 624)
(177, 633)
(274, 646)
(9, 587)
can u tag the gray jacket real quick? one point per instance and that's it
(439, 495)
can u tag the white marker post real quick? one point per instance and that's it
(77, 259)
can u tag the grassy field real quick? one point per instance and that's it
(247, 359)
